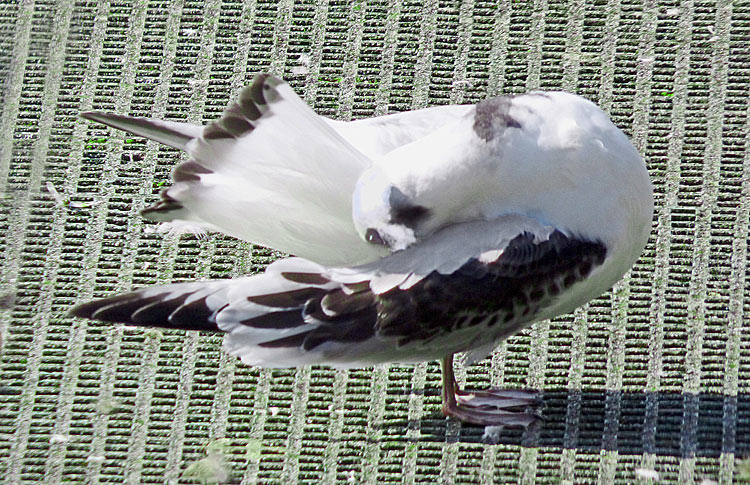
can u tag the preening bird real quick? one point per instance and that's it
(417, 235)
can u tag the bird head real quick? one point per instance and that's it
(383, 214)
(554, 157)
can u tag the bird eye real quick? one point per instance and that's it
(373, 236)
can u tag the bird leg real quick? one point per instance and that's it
(493, 407)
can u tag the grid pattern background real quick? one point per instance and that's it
(653, 376)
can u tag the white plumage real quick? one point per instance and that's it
(418, 235)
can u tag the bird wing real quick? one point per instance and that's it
(269, 171)
(272, 172)
(465, 287)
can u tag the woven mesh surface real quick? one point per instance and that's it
(653, 376)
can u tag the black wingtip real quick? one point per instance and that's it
(101, 117)
(158, 311)
(89, 115)
(242, 116)
(90, 308)
(82, 310)
(165, 210)
(116, 309)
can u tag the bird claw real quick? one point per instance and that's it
(494, 407)
(504, 398)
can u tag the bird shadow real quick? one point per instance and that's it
(660, 423)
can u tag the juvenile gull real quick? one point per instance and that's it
(418, 235)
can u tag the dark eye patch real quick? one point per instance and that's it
(404, 211)
(409, 216)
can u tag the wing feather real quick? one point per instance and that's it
(299, 312)
(272, 172)
(171, 133)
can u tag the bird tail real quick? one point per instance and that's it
(289, 316)
(269, 171)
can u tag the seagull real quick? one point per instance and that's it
(416, 236)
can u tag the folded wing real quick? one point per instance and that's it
(487, 281)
